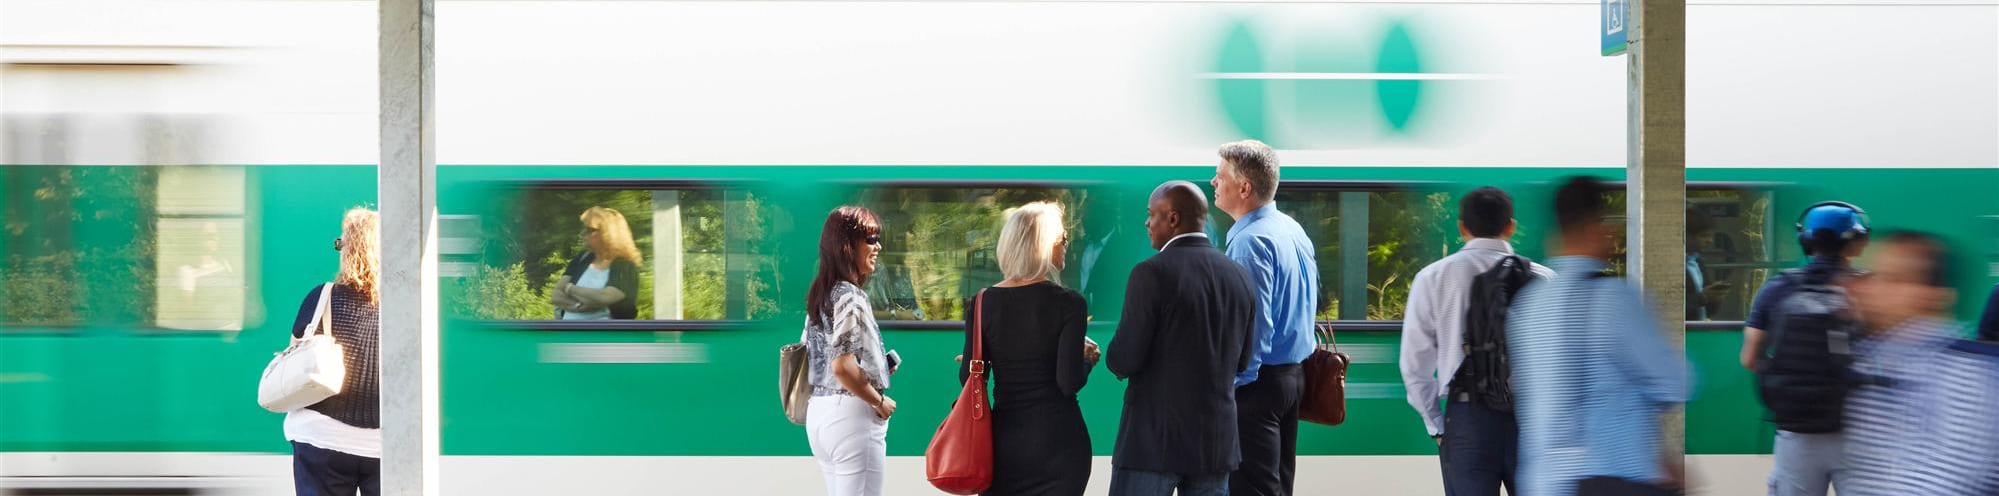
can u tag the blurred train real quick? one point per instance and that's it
(174, 172)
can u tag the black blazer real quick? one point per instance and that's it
(1187, 330)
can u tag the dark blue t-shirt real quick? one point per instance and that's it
(1781, 286)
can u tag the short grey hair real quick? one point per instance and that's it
(1253, 162)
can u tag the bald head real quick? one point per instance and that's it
(1175, 208)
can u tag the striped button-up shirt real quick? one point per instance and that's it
(1592, 371)
(1433, 332)
(1926, 420)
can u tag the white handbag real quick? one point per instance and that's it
(309, 371)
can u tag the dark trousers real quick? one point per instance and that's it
(324, 472)
(1267, 426)
(1128, 482)
(1480, 450)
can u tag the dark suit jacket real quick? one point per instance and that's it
(1187, 330)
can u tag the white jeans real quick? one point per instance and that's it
(850, 442)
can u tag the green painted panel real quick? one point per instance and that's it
(192, 391)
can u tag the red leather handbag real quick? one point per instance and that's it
(960, 457)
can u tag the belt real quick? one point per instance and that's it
(826, 391)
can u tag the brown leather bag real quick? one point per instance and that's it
(1325, 399)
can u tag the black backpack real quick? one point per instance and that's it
(1485, 376)
(1804, 377)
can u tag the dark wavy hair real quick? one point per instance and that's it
(839, 256)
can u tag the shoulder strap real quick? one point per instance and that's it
(978, 329)
(322, 318)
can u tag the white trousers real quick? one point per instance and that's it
(850, 443)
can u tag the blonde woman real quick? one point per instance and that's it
(603, 282)
(337, 443)
(1039, 358)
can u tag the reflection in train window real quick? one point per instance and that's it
(1728, 253)
(1372, 240)
(199, 265)
(700, 254)
(938, 244)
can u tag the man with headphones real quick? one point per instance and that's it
(1797, 340)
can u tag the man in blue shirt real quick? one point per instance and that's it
(1279, 258)
(1921, 421)
(1805, 461)
(1988, 327)
(1592, 370)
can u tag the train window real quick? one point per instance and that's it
(199, 265)
(1729, 251)
(938, 244)
(1371, 238)
(696, 254)
(77, 244)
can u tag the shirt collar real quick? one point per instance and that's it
(1267, 209)
(1577, 264)
(1498, 245)
(1169, 242)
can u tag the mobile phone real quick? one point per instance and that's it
(893, 359)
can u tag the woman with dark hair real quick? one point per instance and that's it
(846, 421)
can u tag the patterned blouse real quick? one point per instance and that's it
(849, 329)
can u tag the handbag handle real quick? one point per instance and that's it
(978, 364)
(1326, 337)
(322, 318)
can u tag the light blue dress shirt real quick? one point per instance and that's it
(1281, 263)
(1591, 373)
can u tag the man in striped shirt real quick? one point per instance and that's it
(1592, 370)
(1922, 421)
(1478, 453)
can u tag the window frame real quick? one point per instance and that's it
(642, 325)
(857, 186)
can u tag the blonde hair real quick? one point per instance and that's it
(1027, 243)
(360, 253)
(616, 233)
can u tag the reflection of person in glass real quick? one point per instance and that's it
(603, 282)
(1703, 292)
(210, 270)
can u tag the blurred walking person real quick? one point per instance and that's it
(1592, 370)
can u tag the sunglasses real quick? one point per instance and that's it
(339, 244)
(873, 239)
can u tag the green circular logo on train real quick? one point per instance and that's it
(1320, 87)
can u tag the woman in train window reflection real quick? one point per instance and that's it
(603, 282)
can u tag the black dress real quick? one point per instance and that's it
(1034, 341)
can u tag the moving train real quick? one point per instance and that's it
(175, 170)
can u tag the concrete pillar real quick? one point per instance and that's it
(1656, 173)
(669, 295)
(407, 178)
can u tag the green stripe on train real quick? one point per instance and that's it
(103, 384)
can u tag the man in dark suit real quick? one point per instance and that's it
(1185, 334)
